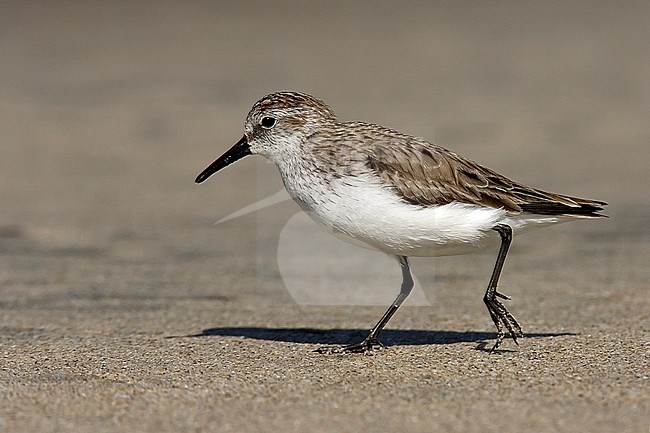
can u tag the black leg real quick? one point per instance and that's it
(372, 341)
(498, 312)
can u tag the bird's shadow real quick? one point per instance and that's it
(389, 337)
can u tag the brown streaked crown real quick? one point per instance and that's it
(293, 100)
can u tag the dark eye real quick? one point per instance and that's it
(267, 122)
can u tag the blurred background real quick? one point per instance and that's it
(110, 259)
(108, 110)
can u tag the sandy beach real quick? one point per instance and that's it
(124, 307)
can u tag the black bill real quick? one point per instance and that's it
(237, 152)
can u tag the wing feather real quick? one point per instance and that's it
(425, 174)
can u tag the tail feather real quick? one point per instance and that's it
(563, 205)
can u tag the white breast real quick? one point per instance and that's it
(364, 210)
(367, 211)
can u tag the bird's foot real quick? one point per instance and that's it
(367, 347)
(502, 317)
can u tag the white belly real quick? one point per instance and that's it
(362, 210)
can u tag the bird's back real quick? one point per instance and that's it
(424, 174)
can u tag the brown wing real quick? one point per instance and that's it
(425, 174)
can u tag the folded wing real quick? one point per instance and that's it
(424, 174)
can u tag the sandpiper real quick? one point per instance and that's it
(396, 193)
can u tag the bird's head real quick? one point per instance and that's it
(275, 127)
